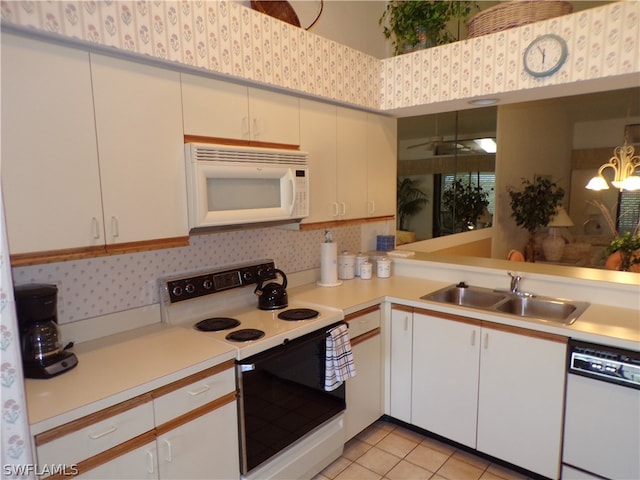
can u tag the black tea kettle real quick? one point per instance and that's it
(272, 296)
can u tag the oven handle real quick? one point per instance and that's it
(248, 367)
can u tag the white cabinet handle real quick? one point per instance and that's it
(245, 126)
(473, 338)
(486, 341)
(150, 462)
(255, 131)
(114, 227)
(95, 436)
(406, 323)
(169, 457)
(336, 211)
(371, 207)
(200, 391)
(95, 228)
(343, 209)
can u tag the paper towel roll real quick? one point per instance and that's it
(329, 265)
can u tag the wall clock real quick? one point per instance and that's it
(545, 55)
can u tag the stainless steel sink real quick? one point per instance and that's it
(548, 309)
(543, 308)
(466, 296)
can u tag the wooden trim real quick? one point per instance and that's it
(195, 413)
(145, 245)
(361, 313)
(448, 316)
(365, 336)
(51, 256)
(238, 142)
(401, 308)
(552, 337)
(172, 387)
(103, 457)
(344, 223)
(80, 423)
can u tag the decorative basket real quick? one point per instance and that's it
(515, 13)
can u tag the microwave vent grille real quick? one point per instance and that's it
(208, 153)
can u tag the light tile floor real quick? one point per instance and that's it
(386, 451)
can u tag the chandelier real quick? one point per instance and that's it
(624, 164)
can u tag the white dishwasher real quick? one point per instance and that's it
(602, 417)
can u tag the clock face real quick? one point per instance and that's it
(545, 55)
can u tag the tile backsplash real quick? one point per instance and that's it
(98, 286)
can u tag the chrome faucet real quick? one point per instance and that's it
(515, 282)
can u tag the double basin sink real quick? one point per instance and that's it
(518, 304)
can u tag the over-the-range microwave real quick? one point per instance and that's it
(231, 186)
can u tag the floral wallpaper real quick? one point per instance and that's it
(227, 39)
(16, 450)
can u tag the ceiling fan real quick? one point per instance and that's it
(433, 143)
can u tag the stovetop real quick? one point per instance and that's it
(229, 293)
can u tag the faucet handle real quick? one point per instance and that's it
(515, 282)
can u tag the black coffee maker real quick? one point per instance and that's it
(42, 352)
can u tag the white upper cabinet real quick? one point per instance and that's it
(218, 109)
(318, 138)
(382, 160)
(50, 173)
(352, 163)
(140, 148)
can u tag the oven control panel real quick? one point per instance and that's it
(206, 283)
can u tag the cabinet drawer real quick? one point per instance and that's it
(198, 390)
(88, 436)
(363, 321)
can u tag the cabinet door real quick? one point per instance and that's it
(213, 108)
(140, 464)
(206, 447)
(318, 138)
(364, 391)
(521, 398)
(50, 174)
(352, 163)
(382, 160)
(401, 362)
(445, 378)
(274, 117)
(140, 146)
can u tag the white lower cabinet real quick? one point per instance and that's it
(364, 391)
(445, 377)
(495, 388)
(401, 362)
(185, 430)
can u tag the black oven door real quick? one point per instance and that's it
(282, 397)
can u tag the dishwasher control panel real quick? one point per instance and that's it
(609, 364)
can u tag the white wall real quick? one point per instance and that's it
(533, 139)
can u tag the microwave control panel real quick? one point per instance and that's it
(301, 202)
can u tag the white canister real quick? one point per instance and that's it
(384, 267)
(360, 259)
(346, 266)
(366, 270)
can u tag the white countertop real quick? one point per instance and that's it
(117, 367)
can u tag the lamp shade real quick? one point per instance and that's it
(561, 219)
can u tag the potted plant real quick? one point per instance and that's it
(623, 252)
(465, 203)
(533, 207)
(421, 24)
(411, 200)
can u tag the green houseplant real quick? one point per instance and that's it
(421, 24)
(411, 200)
(534, 206)
(465, 203)
(626, 247)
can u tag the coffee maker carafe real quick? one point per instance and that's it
(41, 345)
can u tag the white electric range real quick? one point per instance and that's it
(224, 298)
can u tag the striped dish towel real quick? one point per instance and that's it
(339, 359)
